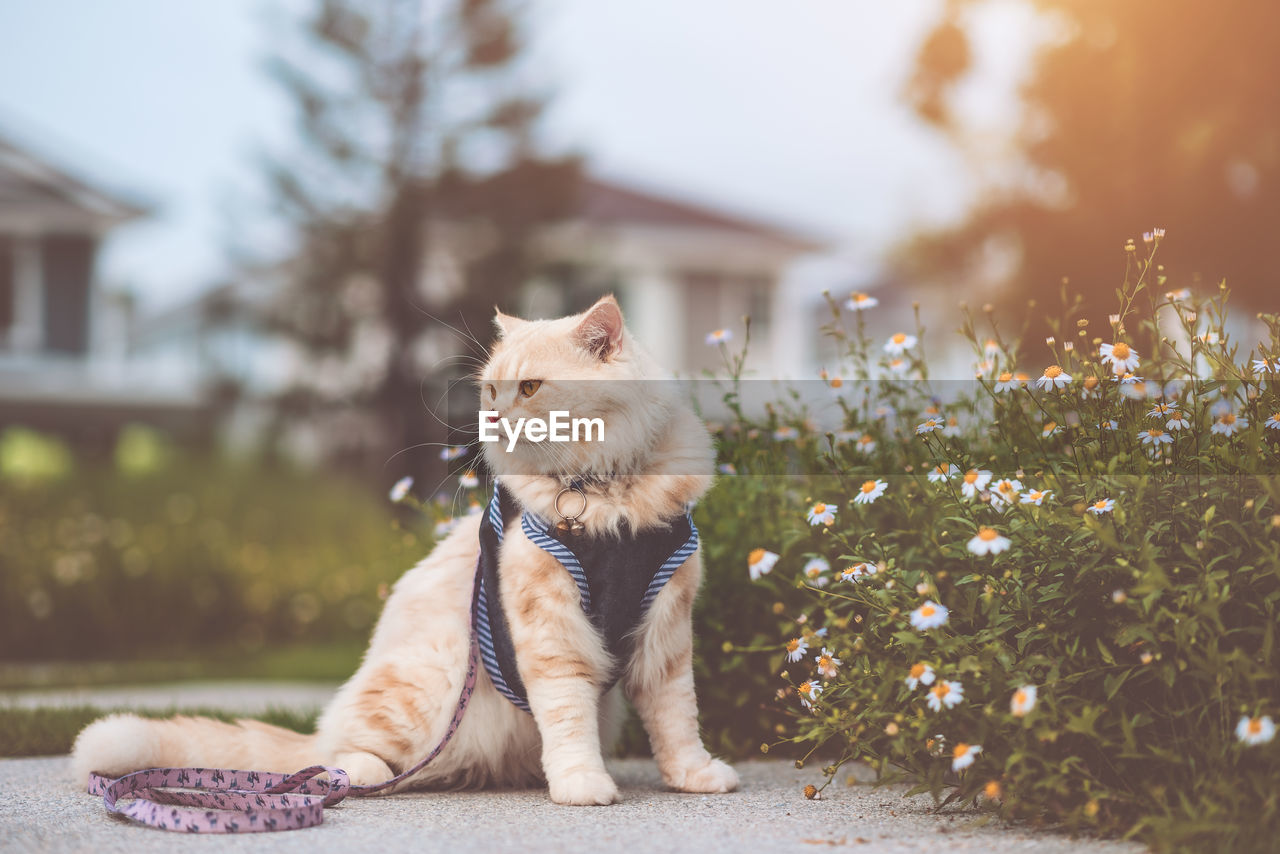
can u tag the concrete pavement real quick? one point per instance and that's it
(41, 810)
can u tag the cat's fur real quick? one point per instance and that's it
(655, 460)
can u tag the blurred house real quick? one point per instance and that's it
(679, 270)
(57, 371)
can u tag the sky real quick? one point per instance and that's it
(790, 116)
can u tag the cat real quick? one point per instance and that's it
(654, 461)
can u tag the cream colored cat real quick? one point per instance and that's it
(656, 459)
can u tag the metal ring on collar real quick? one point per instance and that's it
(571, 489)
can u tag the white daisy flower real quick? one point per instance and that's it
(1102, 505)
(991, 347)
(943, 473)
(822, 514)
(899, 365)
(474, 508)
(727, 468)
(760, 562)
(828, 664)
(974, 481)
(719, 336)
(400, 490)
(866, 444)
(1255, 730)
(1008, 382)
(1109, 424)
(945, 693)
(1273, 423)
(1090, 391)
(1053, 377)
(930, 615)
(786, 433)
(963, 755)
(1229, 424)
(929, 426)
(857, 571)
(859, 302)
(1036, 497)
(1179, 295)
(953, 427)
(1162, 410)
(1050, 428)
(449, 453)
(1177, 421)
(1155, 437)
(884, 411)
(1209, 338)
(1262, 366)
(809, 691)
(814, 572)
(988, 542)
(870, 491)
(899, 343)
(1023, 701)
(921, 674)
(796, 649)
(1005, 492)
(1120, 356)
(468, 480)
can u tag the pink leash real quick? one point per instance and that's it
(219, 800)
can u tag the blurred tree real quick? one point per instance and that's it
(411, 204)
(1136, 114)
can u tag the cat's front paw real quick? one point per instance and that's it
(715, 777)
(584, 789)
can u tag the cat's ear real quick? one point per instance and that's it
(505, 323)
(601, 329)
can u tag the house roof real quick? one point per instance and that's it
(32, 187)
(611, 203)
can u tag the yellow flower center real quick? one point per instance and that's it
(857, 297)
(1022, 378)
(814, 571)
(917, 670)
(992, 790)
(1120, 351)
(1020, 698)
(953, 421)
(1053, 372)
(1228, 419)
(865, 440)
(1090, 382)
(927, 611)
(756, 556)
(941, 470)
(1155, 433)
(939, 690)
(1005, 377)
(1276, 417)
(971, 477)
(1050, 426)
(819, 509)
(991, 344)
(931, 423)
(1101, 505)
(960, 750)
(899, 338)
(836, 382)
(1255, 726)
(869, 486)
(805, 687)
(987, 534)
(793, 644)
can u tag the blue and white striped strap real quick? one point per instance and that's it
(670, 565)
(485, 634)
(536, 530)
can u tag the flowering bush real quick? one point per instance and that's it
(1053, 593)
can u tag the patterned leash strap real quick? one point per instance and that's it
(220, 800)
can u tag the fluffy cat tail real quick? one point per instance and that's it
(119, 744)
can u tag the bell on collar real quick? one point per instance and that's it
(569, 523)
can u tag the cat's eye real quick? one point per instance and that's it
(491, 391)
(529, 387)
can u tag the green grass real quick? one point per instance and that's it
(318, 662)
(49, 731)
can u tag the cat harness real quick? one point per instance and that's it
(618, 577)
